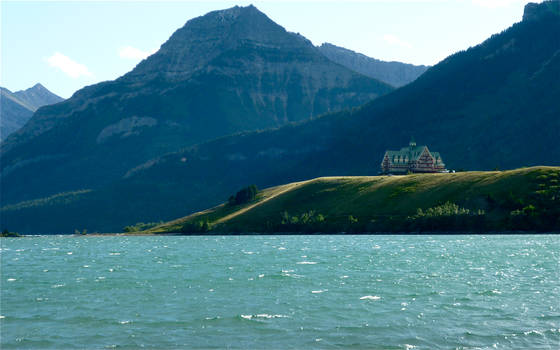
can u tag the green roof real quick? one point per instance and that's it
(410, 153)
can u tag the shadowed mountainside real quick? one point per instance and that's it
(227, 71)
(394, 73)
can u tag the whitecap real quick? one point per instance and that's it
(114, 253)
(533, 332)
(408, 346)
(58, 285)
(1, 316)
(306, 263)
(125, 322)
(11, 279)
(267, 316)
(495, 291)
(261, 275)
(319, 291)
(370, 297)
(281, 248)
(69, 253)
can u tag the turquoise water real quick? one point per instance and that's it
(281, 292)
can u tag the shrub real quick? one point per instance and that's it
(307, 221)
(244, 195)
(448, 216)
(6, 233)
(199, 226)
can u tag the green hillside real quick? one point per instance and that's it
(522, 199)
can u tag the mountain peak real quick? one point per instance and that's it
(534, 11)
(204, 38)
(37, 96)
(38, 86)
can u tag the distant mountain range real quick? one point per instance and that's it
(495, 105)
(396, 74)
(18, 107)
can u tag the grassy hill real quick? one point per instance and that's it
(522, 199)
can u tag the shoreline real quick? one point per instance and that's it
(380, 233)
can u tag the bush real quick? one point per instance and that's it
(7, 233)
(448, 216)
(307, 221)
(199, 226)
(244, 195)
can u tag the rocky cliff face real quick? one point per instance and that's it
(226, 72)
(534, 11)
(396, 74)
(205, 38)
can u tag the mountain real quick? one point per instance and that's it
(495, 105)
(37, 96)
(225, 72)
(18, 107)
(394, 73)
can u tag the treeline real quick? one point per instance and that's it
(446, 217)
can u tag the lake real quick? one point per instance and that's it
(281, 292)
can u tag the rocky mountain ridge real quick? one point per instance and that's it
(18, 107)
(396, 74)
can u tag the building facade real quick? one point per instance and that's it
(415, 159)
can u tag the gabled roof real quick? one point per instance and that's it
(406, 153)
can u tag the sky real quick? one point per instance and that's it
(66, 45)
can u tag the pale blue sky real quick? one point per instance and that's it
(67, 45)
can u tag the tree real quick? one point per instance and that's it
(244, 195)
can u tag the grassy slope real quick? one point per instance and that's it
(369, 197)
